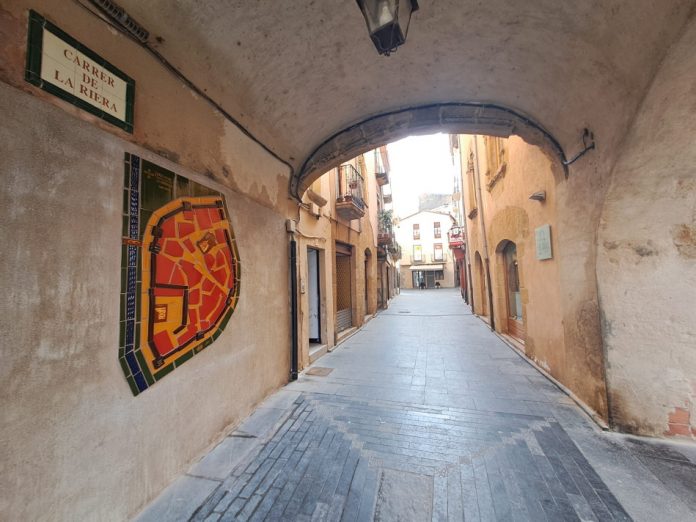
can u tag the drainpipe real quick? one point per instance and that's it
(479, 202)
(469, 294)
(469, 288)
(293, 307)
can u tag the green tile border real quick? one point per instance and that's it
(144, 368)
(165, 370)
(133, 387)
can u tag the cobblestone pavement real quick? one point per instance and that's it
(424, 414)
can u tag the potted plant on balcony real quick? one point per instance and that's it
(386, 220)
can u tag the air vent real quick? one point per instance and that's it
(116, 13)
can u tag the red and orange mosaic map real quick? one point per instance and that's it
(189, 273)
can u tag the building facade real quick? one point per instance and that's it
(346, 252)
(511, 231)
(426, 260)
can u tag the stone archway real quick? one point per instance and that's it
(456, 118)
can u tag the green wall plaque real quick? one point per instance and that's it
(542, 235)
(59, 64)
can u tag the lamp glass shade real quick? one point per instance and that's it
(379, 13)
(387, 22)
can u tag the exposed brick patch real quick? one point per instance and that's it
(684, 238)
(679, 416)
(678, 422)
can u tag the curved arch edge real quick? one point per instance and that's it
(453, 117)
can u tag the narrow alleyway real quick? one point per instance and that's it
(424, 414)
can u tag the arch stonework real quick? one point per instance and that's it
(479, 286)
(454, 117)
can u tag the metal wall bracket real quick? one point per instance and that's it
(588, 144)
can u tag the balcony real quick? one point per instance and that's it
(382, 177)
(387, 198)
(385, 237)
(456, 237)
(395, 250)
(349, 198)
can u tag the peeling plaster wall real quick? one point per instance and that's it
(76, 444)
(647, 259)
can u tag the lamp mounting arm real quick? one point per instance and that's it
(588, 144)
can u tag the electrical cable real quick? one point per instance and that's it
(182, 77)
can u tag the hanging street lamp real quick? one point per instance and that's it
(387, 22)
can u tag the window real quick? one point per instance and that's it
(513, 282)
(438, 252)
(496, 152)
(416, 231)
(471, 196)
(417, 253)
(439, 275)
(437, 230)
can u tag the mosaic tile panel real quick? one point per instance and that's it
(180, 271)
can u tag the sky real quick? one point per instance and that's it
(419, 164)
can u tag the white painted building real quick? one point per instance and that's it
(426, 257)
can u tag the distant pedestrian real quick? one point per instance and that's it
(422, 285)
(437, 284)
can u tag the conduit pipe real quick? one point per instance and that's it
(293, 307)
(469, 294)
(479, 202)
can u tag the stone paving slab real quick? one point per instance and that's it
(180, 500)
(422, 421)
(224, 458)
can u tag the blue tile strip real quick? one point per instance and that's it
(132, 275)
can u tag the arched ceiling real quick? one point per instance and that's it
(296, 72)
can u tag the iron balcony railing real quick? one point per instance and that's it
(382, 177)
(350, 186)
(395, 250)
(385, 235)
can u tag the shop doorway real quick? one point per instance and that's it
(481, 300)
(314, 295)
(515, 321)
(368, 255)
(344, 303)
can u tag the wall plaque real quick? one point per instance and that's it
(59, 64)
(543, 242)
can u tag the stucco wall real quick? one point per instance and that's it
(315, 232)
(514, 217)
(509, 215)
(647, 258)
(74, 439)
(76, 444)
